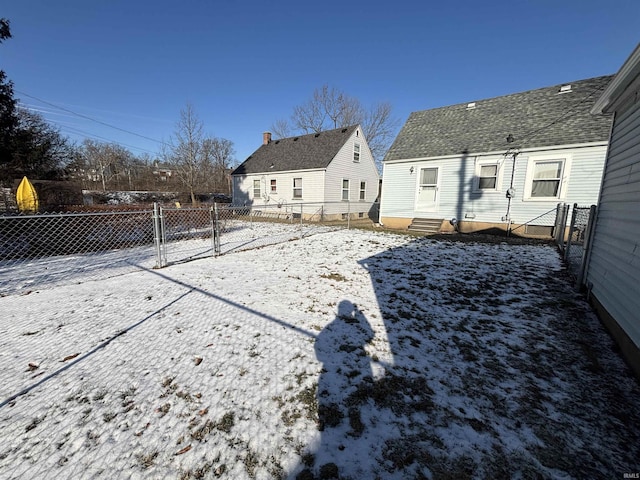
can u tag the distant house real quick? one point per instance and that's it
(162, 171)
(331, 171)
(613, 264)
(504, 162)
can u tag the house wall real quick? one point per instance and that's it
(312, 188)
(613, 270)
(343, 167)
(459, 197)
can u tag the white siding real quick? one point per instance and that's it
(312, 187)
(614, 263)
(459, 197)
(397, 199)
(344, 168)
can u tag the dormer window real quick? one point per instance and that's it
(356, 152)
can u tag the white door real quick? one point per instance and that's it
(427, 199)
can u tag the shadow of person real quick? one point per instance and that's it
(340, 347)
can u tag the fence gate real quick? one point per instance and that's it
(184, 234)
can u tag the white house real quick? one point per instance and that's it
(332, 172)
(504, 162)
(613, 263)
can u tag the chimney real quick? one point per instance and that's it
(266, 138)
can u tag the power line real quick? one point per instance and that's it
(74, 130)
(90, 118)
(87, 134)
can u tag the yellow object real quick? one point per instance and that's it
(27, 197)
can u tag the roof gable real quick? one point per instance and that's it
(536, 118)
(304, 152)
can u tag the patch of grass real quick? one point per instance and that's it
(309, 400)
(226, 423)
(100, 394)
(203, 430)
(34, 423)
(147, 460)
(251, 463)
(163, 409)
(108, 416)
(334, 276)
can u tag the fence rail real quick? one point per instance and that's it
(36, 250)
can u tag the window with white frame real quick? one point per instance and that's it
(488, 176)
(356, 152)
(256, 188)
(297, 188)
(363, 190)
(545, 177)
(274, 187)
(345, 189)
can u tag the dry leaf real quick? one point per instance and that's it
(69, 357)
(184, 450)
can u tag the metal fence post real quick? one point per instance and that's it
(348, 215)
(572, 226)
(301, 215)
(213, 216)
(157, 234)
(557, 223)
(586, 247)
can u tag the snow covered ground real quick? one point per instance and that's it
(347, 354)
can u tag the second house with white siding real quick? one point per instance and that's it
(326, 174)
(504, 162)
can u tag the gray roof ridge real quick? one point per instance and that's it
(515, 94)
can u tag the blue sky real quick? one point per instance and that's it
(243, 65)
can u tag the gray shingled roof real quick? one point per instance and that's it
(536, 118)
(303, 152)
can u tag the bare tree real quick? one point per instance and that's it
(197, 159)
(184, 150)
(107, 163)
(330, 108)
(281, 128)
(221, 155)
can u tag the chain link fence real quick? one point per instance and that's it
(574, 241)
(241, 228)
(37, 250)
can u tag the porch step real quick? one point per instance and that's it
(426, 225)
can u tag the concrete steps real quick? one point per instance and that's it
(426, 225)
